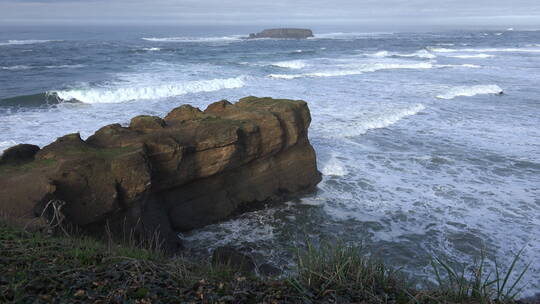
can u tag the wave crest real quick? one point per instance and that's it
(360, 70)
(377, 120)
(486, 50)
(23, 42)
(469, 91)
(123, 94)
(293, 64)
(194, 39)
(4, 145)
(419, 54)
(152, 49)
(481, 56)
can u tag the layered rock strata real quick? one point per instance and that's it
(163, 175)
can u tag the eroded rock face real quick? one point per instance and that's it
(283, 33)
(190, 169)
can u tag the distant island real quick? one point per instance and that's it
(283, 33)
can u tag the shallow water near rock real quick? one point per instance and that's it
(420, 155)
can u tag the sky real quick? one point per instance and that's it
(382, 14)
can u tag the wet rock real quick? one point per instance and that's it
(19, 153)
(269, 270)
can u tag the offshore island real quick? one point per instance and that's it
(283, 33)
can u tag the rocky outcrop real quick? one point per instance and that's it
(284, 33)
(177, 173)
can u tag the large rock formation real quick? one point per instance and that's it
(283, 33)
(190, 169)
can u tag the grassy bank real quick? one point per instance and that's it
(37, 268)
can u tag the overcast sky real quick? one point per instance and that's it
(375, 13)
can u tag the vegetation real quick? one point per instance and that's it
(41, 268)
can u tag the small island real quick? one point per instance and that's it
(283, 33)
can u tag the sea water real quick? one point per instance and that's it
(421, 154)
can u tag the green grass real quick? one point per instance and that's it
(334, 271)
(39, 268)
(462, 283)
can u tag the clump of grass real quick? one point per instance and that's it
(343, 274)
(40, 267)
(136, 244)
(476, 283)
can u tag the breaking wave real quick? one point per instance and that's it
(195, 39)
(123, 94)
(469, 91)
(482, 56)
(419, 54)
(360, 70)
(293, 64)
(487, 50)
(15, 67)
(6, 144)
(466, 65)
(23, 42)
(363, 124)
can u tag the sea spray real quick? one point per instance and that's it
(123, 94)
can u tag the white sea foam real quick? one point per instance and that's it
(466, 65)
(486, 50)
(285, 76)
(359, 69)
(471, 91)
(22, 42)
(471, 56)
(379, 120)
(64, 66)
(15, 67)
(249, 227)
(6, 144)
(419, 54)
(123, 94)
(152, 49)
(195, 39)
(293, 64)
(334, 167)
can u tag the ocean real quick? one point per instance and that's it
(420, 152)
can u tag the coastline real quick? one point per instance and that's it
(420, 155)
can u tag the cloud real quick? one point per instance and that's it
(284, 11)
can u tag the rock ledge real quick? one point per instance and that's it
(187, 170)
